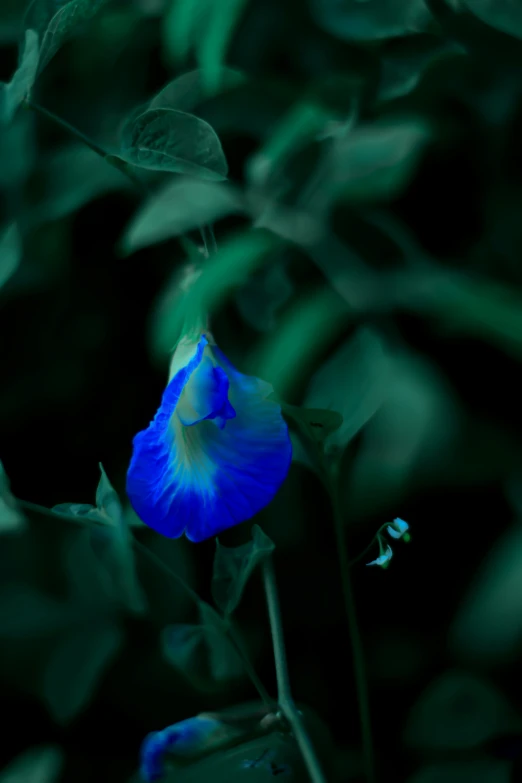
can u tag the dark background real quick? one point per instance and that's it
(81, 373)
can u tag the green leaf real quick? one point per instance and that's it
(233, 567)
(116, 552)
(170, 140)
(286, 355)
(237, 257)
(353, 383)
(40, 12)
(13, 93)
(488, 624)
(27, 613)
(180, 206)
(354, 20)
(74, 176)
(211, 45)
(458, 711)
(504, 15)
(41, 764)
(203, 652)
(183, 23)
(406, 61)
(186, 92)
(11, 517)
(377, 161)
(302, 124)
(62, 24)
(77, 664)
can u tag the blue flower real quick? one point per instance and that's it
(185, 738)
(216, 452)
(398, 529)
(384, 558)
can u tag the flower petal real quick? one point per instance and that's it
(183, 738)
(204, 478)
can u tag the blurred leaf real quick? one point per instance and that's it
(358, 20)
(488, 624)
(354, 383)
(180, 206)
(233, 567)
(41, 764)
(186, 92)
(11, 516)
(481, 771)
(211, 45)
(505, 15)
(237, 257)
(483, 308)
(202, 652)
(13, 93)
(303, 123)
(307, 328)
(62, 24)
(205, 26)
(17, 150)
(77, 664)
(404, 64)
(26, 613)
(409, 435)
(262, 296)
(74, 176)
(377, 161)
(170, 140)
(458, 711)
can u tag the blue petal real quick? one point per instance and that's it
(184, 738)
(219, 468)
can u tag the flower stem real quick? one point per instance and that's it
(359, 667)
(284, 697)
(111, 159)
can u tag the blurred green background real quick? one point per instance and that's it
(369, 241)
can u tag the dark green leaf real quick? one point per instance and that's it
(11, 517)
(360, 20)
(181, 206)
(62, 24)
(186, 92)
(26, 613)
(354, 383)
(37, 765)
(478, 771)
(377, 161)
(505, 15)
(203, 652)
(170, 140)
(12, 94)
(183, 23)
(459, 710)
(233, 567)
(404, 64)
(211, 45)
(76, 666)
(75, 175)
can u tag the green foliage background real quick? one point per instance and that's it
(360, 163)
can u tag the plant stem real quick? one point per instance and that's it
(284, 695)
(230, 632)
(359, 667)
(111, 160)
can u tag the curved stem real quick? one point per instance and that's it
(284, 695)
(359, 667)
(111, 160)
